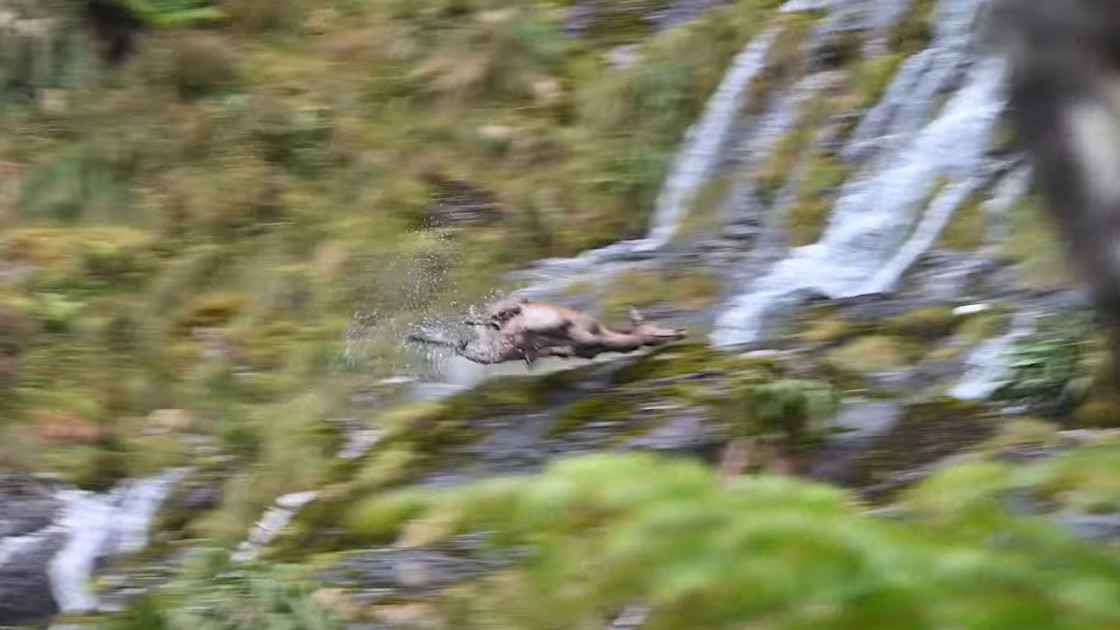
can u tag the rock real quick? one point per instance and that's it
(547, 91)
(336, 602)
(622, 57)
(684, 434)
(171, 420)
(1092, 526)
(411, 615)
(859, 424)
(26, 504)
(25, 588)
(497, 135)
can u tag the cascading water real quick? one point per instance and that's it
(702, 148)
(99, 526)
(864, 247)
(696, 160)
(988, 362)
(269, 526)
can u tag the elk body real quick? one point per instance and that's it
(527, 331)
(1064, 60)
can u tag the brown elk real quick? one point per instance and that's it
(527, 331)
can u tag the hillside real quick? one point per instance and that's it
(220, 220)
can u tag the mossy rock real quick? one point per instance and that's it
(828, 330)
(872, 353)
(675, 360)
(590, 409)
(1033, 242)
(914, 30)
(923, 324)
(966, 230)
(927, 433)
(1023, 432)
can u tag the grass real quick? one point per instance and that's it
(639, 289)
(966, 229)
(1033, 242)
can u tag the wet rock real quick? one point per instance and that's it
(455, 202)
(25, 588)
(378, 574)
(26, 504)
(856, 427)
(942, 277)
(1092, 526)
(684, 434)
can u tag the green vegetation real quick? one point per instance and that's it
(639, 289)
(608, 530)
(1033, 242)
(872, 353)
(195, 228)
(965, 231)
(805, 218)
(913, 32)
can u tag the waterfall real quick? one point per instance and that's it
(99, 526)
(703, 143)
(867, 243)
(988, 362)
(275, 519)
(700, 152)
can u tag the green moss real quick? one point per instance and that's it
(674, 360)
(965, 231)
(827, 330)
(791, 410)
(927, 432)
(985, 325)
(873, 353)
(806, 218)
(379, 520)
(88, 467)
(1033, 242)
(782, 159)
(640, 289)
(872, 76)
(914, 30)
(704, 209)
(923, 324)
(595, 408)
(1083, 480)
(1020, 432)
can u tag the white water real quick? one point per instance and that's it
(865, 245)
(696, 160)
(703, 144)
(100, 526)
(989, 362)
(911, 96)
(12, 546)
(274, 520)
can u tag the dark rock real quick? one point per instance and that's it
(26, 504)
(384, 573)
(1092, 526)
(684, 434)
(455, 202)
(25, 589)
(856, 426)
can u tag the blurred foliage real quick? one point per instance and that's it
(607, 531)
(257, 598)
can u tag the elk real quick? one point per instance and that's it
(527, 331)
(1064, 96)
